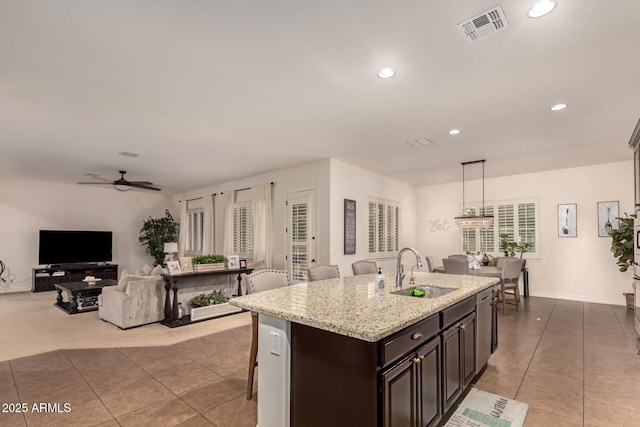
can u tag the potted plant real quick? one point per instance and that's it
(622, 248)
(155, 232)
(209, 262)
(211, 305)
(511, 248)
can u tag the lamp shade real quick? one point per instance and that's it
(170, 248)
(122, 187)
(474, 221)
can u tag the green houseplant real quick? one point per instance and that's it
(209, 259)
(622, 242)
(622, 247)
(215, 297)
(155, 232)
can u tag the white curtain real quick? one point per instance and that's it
(262, 223)
(208, 226)
(227, 244)
(182, 244)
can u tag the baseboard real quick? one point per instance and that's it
(17, 287)
(582, 298)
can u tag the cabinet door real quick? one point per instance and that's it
(468, 337)
(399, 394)
(430, 384)
(451, 367)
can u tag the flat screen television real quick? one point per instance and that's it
(71, 246)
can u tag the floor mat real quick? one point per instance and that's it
(480, 408)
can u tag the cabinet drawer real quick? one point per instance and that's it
(457, 311)
(402, 342)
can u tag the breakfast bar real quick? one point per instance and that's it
(338, 352)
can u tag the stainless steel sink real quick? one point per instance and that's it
(424, 292)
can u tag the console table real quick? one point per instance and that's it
(83, 296)
(172, 282)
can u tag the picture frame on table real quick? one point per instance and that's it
(568, 220)
(186, 264)
(233, 262)
(243, 263)
(608, 212)
(174, 267)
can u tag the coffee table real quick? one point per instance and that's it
(83, 295)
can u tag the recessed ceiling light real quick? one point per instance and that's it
(386, 73)
(454, 131)
(558, 107)
(541, 8)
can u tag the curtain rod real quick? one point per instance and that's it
(215, 194)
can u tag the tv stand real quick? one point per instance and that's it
(44, 279)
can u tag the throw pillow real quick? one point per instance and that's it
(122, 284)
(147, 269)
(157, 271)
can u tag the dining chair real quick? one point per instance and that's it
(460, 256)
(455, 266)
(509, 279)
(364, 267)
(322, 272)
(430, 264)
(501, 260)
(258, 281)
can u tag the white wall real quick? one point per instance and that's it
(354, 183)
(581, 268)
(309, 176)
(28, 206)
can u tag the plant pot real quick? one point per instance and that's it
(210, 311)
(629, 297)
(199, 268)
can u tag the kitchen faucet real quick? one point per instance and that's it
(400, 268)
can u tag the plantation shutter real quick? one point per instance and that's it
(469, 240)
(527, 224)
(243, 230)
(486, 235)
(506, 221)
(299, 242)
(383, 228)
(195, 219)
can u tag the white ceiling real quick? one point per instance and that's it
(212, 91)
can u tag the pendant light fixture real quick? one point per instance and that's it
(474, 221)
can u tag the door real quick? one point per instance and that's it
(399, 394)
(468, 337)
(429, 391)
(300, 234)
(451, 354)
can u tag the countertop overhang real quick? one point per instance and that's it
(351, 306)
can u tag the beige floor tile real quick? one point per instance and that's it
(134, 395)
(550, 393)
(210, 396)
(87, 414)
(12, 419)
(167, 412)
(197, 421)
(541, 418)
(190, 375)
(238, 412)
(597, 414)
(505, 385)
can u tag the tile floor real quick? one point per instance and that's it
(574, 363)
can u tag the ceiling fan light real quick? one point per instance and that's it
(122, 187)
(541, 8)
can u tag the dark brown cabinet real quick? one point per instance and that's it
(411, 389)
(44, 279)
(459, 358)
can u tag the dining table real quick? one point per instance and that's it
(490, 271)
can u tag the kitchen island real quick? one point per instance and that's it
(336, 352)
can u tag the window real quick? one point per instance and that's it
(517, 220)
(383, 228)
(243, 230)
(195, 219)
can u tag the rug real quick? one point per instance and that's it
(480, 409)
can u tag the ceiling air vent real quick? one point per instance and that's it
(128, 154)
(484, 24)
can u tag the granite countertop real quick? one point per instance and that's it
(350, 306)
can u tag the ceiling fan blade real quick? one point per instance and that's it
(146, 187)
(141, 182)
(97, 183)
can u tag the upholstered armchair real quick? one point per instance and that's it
(136, 300)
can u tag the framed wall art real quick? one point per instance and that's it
(568, 220)
(174, 267)
(234, 262)
(607, 214)
(186, 265)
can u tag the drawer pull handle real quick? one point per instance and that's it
(417, 336)
(463, 327)
(421, 357)
(417, 360)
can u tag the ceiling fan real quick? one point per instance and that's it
(122, 184)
